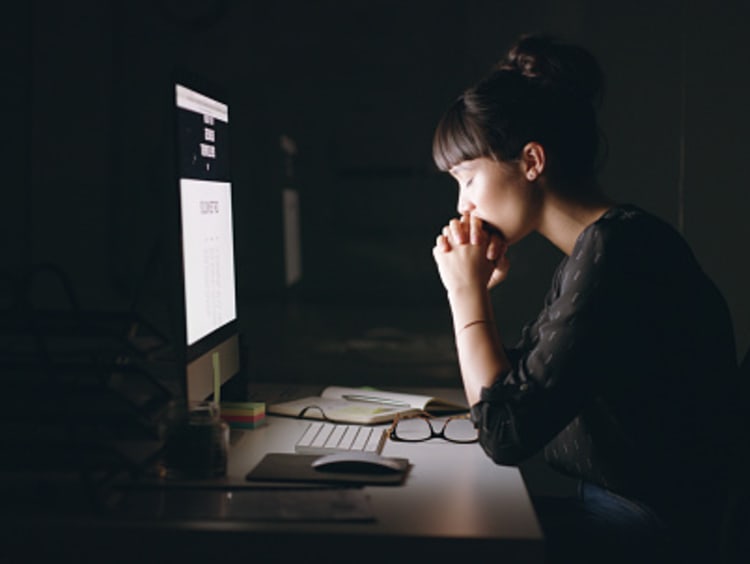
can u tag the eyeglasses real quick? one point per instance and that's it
(415, 428)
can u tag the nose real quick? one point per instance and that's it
(464, 205)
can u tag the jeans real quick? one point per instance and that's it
(603, 527)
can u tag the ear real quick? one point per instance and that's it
(533, 160)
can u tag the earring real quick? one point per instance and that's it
(531, 175)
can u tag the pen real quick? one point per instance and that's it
(371, 399)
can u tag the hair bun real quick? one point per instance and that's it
(553, 64)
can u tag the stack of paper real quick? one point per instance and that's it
(243, 414)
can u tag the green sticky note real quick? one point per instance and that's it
(216, 360)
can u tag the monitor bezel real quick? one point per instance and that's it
(225, 337)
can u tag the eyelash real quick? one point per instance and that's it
(465, 184)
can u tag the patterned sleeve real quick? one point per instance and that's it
(556, 359)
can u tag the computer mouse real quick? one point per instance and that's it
(359, 462)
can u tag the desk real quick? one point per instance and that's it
(452, 490)
(454, 502)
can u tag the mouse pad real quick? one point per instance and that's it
(287, 467)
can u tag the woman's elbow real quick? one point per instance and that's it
(505, 454)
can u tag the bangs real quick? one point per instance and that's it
(457, 138)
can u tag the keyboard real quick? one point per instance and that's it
(322, 437)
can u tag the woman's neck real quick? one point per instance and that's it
(563, 219)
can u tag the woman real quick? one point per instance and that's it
(625, 378)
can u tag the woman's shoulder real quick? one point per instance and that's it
(629, 216)
(634, 238)
(630, 225)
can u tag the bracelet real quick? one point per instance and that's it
(469, 324)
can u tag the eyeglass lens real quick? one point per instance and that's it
(419, 429)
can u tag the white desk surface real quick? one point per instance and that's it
(455, 502)
(452, 493)
(452, 490)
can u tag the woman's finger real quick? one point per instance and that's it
(496, 248)
(476, 233)
(492, 250)
(500, 272)
(459, 236)
(442, 243)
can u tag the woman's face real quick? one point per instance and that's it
(498, 194)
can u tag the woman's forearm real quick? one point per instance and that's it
(481, 356)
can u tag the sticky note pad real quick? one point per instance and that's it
(243, 407)
(243, 415)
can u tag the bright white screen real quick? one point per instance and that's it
(208, 256)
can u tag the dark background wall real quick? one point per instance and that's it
(359, 86)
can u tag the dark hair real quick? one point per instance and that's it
(543, 90)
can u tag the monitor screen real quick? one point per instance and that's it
(206, 233)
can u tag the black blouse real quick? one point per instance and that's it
(626, 376)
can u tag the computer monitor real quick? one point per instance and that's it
(211, 338)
